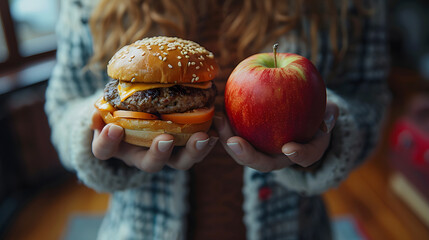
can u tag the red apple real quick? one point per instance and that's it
(270, 104)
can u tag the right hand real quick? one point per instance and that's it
(107, 143)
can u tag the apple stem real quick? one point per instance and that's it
(275, 46)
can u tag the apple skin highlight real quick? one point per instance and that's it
(271, 106)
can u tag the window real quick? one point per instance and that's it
(28, 32)
(34, 23)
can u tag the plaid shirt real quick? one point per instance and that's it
(153, 206)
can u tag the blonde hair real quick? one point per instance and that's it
(246, 26)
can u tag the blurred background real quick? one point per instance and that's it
(386, 198)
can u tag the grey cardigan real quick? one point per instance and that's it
(153, 206)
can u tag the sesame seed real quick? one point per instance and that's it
(201, 63)
(180, 64)
(161, 48)
(160, 58)
(186, 56)
(196, 79)
(179, 57)
(193, 63)
(169, 65)
(193, 75)
(208, 69)
(189, 64)
(211, 66)
(165, 58)
(197, 67)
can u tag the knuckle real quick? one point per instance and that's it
(98, 155)
(265, 168)
(184, 167)
(101, 153)
(305, 164)
(188, 163)
(150, 167)
(245, 160)
(192, 155)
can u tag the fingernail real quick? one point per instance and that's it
(201, 144)
(115, 132)
(164, 146)
(329, 123)
(290, 154)
(218, 121)
(235, 147)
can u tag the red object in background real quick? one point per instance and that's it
(409, 144)
(408, 138)
(265, 193)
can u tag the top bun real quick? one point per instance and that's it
(163, 60)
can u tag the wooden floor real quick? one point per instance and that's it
(365, 195)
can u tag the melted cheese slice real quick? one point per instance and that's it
(102, 105)
(126, 89)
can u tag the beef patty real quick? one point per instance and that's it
(161, 100)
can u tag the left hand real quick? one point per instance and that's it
(293, 153)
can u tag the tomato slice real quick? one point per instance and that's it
(132, 114)
(195, 116)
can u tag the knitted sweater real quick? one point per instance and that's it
(153, 205)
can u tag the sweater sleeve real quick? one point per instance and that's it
(70, 96)
(360, 91)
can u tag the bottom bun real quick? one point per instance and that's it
(141, 132)
(144, 137)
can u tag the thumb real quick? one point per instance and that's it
(295, 153)
(330, 118)
(308, 153)
(105, 145)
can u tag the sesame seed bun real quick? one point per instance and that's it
(163, 60)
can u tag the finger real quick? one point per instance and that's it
(97, 121)
(331, 115)
(106, 143)
(196, 149)
(150, 160)
(222, 126)
(245, 154)
(309, 153)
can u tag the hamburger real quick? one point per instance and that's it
(160, 85)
